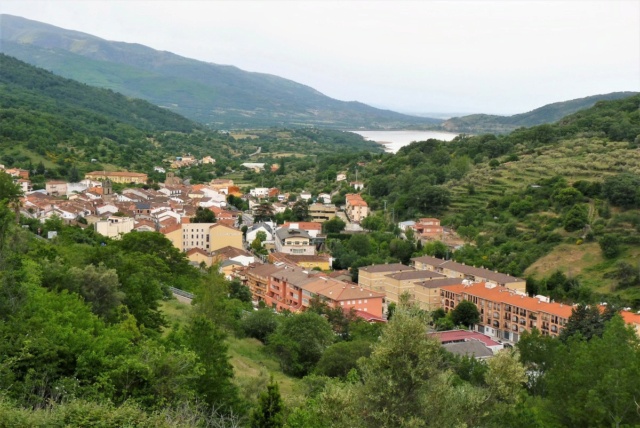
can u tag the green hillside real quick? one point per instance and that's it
(220, 96)
(550, 113)
(553, 197)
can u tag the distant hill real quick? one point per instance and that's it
(550, 113)
(217, 95)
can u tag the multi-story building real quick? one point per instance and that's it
(322, 212)
(396, 284)
(205, 236)
(427, 293)
(429, 228)
(451, 269)
(117, 176)
(294, 241)
(506, 314)
(113, 227)
(286, 287)
(356, 208)
(374, 277)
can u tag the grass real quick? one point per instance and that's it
(570, 259)
(252, 366)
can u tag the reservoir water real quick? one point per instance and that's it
(394, 140)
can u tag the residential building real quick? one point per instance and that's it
(374, 277)
(224, 236)
(427, 294)
(309, 262)
(305, 196)
(259, 192)
(56, 188)
(451, 269)
(113, 227)
(294, 241)
(341, 176)
(429, 228)
(356, 208)
(398, 283)
(322, 212)
(358, 185)
(252, 232)
(505, 313)
(312, 228)
(117, 176)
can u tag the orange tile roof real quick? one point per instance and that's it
(304, 225)
(507, 296)
(630, 317)
(338, 290)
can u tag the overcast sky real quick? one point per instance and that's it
(500, 57)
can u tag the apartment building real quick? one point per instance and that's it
(117, 176)
(395, 284)
(322, 212)
(113, 227)
(427, 293)
(356, 208)
(374, 277)
(294, 241)
(506, 314)
(452, 269)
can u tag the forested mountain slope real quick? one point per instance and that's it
(218, 95)
(486, 123)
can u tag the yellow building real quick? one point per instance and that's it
(451, 269)
(396, 284)
(427, 294)
(374, 277)
(117, 176)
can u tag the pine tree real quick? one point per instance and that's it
(270, 411)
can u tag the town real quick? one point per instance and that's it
(286, 266)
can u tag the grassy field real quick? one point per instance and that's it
(252, 366)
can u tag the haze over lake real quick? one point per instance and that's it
(394, 140)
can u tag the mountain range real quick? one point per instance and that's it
(223, 96)
(216, 95)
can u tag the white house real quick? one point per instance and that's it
(259, 192)
(305, 196)
(114, 226)
(267, 227)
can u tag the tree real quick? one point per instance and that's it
(11, 193)
(465, 313)
(335, 225)
(610, 246)
(595, 383)
(576, 218)
(215, 385)
(203, 215)
(300, 341)
(622, 190)
(300, 211)
(99, 286)
(260, 324)
(239, 291)
(587, 321)
(263, 212)
(270, 410)
(340, 358)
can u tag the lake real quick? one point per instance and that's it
(394, 140)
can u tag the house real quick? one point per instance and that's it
(159, 169)
(257, 167)
(25, 185)
(56, 188)
(451, 269)
(208, 160)
(358, 185)
(259, 192)
(341, 176)
(294, 241)
(429, 228)
(356, 208)
(266, 227)
(324, 198)
(505, 313)
(305, 196)
(117, 177)
(113, 227)
(312, 228)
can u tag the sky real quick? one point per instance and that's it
(498, 57)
